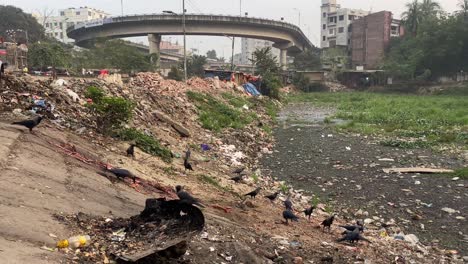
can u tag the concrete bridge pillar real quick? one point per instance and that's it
(283, 59)
(154, 46)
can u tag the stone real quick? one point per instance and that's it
(298, 260)
(455, 178)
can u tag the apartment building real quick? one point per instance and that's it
(371, 36)
(248, 46)
(56, 26)
(335, 23)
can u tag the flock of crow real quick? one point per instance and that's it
(352, 233)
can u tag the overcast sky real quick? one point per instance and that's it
(273, 9)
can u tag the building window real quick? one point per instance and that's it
(350, 28)
(351, 17)
(55, 24)
(324, 14)
(89, 13)
(324, 38)
(340, 29)
(62, 13)
(349, 41)
(332, 19)
(341, 18)
(331, 31)
(61, 35)
(77, 13)
(324, 26)
(60, 25)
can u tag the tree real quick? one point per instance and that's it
(429, 9)
(49, 54)
(16, 26)
(267, 66)
(175, 74)
(464, 9)
(196, 65)
(412, 17)
(308, 60)
(211, 54)
(116, 54)
(265, 61)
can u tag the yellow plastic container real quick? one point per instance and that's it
(74, 242)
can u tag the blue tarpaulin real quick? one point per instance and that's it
(251, 89)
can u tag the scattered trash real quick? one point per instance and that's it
(455, 178)
(386, 159)
(417, 182)
(416, 170)
(74, 242)
(118, 235)
(449, 210)
(205, 147)
(212, 249)
(52, 235)
(348, 148)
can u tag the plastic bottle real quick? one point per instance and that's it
(74, 242)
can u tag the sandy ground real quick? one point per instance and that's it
(345, 169)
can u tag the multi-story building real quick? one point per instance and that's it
(371, 36)
(56, 26)
(248, 47)
(336, 21)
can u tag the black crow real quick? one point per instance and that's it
(328, 222)
(308, 211)
(353, 236)
(187, 165)
(272, 197)
(253, 193)
(31, 123)
(288, 204)
(131, 150)
(237, 179)
(185, 197)
(122, 173)
(289, 215)
(239, 170)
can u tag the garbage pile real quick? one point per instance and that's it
(162, 231)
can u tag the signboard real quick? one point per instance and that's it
(94, 23)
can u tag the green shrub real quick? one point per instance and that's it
(175, 74)
(95, 93)
(146, 143)
(215, 115)
(462, 173)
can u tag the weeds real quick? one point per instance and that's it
(425, 120)
(215, 183)
(169, 170)
(216, 115)
(461, 173)
(255, 177)
(146, 143)
(284, 188)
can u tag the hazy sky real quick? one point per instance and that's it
(273, 9)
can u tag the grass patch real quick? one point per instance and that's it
(462, 173)
(170, 170)
(146, 143)
(255, 177)
(215, 183)
(216, 115)
(284, 188)
(236, 101)
(425, 120)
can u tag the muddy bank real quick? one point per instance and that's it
(346, 171)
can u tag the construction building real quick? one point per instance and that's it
(371, 36)
(335, 23)
(56, 26)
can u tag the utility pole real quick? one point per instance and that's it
(234, 39)
(121, 7)
(185, 41)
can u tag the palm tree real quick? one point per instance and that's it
(430, 8)
(464, 9)
(412, 16)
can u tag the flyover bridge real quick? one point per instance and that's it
(287, 37)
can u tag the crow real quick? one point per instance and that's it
(328, 222)
(237, 179)
(308, 211)
(350, 228)
(187, 165)
(288, 204)
(131, 150)
(185, 197)
(31, 123)
(239, 170)
(272, 197)
(253, 193)
(353, 236)
(289, 215)
(122, 173)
